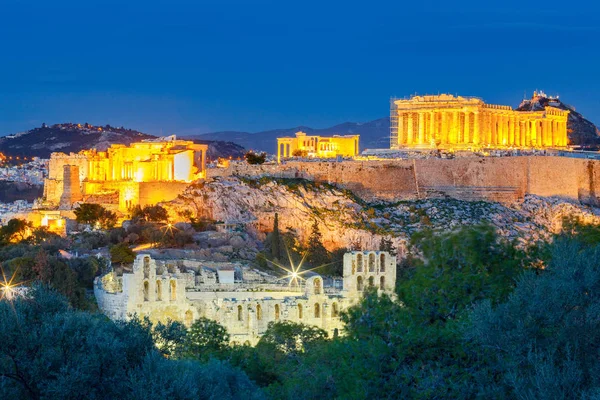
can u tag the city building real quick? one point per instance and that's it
(447, 122)
(160, 290)
(143, 173)
(304, 145)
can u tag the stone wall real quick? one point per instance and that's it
(502, 179)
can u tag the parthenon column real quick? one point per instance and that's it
(444, 127)
(534, 133)
(511, 131)
(467, 128)
(476, 128)
(421, 127)
(432, 127)
(494, 120)
(409, 138)
(553, 129)
(546, 134)
(401, 134)
(455, 127)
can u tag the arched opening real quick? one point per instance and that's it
(276, 312)
(371, 262)
(173, 290)
(258, 312)
(371, 281)
(146, 267)
(359, 263)
(335, 312)
(299, 311)
(317, 284)
(317, 310)
(359, 283)
(382, 262)
(240, 313)
(146, 289)
(158, 290)
(189, 318)
(382, 283)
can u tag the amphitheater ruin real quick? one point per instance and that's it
(242, 300)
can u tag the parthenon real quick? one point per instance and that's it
(445, 121)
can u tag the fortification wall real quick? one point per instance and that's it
(502, 179)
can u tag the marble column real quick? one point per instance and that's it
(467, 128)
(444, 127)
(421, 127)
(401, 138)
(494, 122)
(410, 132)
(476, 128)
(432, 127)
(454, 129)
(511, 131)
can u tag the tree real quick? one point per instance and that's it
(275, 239)
(204, 339)
(545, 339)
(386, 244)
(288, 336)
(317, 254)
(461, 267)
(92, 214)
(254, 158)
(15, 230)
(122, 254)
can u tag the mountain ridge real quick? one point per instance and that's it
(71, 138)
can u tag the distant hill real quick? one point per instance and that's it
(376, 134)
(580, 131)
(373, 134)
(69, 137)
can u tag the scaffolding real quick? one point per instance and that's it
(393, 124)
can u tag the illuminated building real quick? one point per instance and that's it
(447, 122)
(142, 173)
(304, 145)
(159, 290)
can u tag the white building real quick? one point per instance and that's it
(158, 289)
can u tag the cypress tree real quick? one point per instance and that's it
(275, 239)
(317, 253)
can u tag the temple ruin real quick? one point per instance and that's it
(143, 173)
(448, 122)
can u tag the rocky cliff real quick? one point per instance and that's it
(347, 221)
(580, 131)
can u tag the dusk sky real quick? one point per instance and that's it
(200, 66)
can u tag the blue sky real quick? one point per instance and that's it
(199, 66)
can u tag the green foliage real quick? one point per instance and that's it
(275, 239)
(121, 254)
(204, 339)
(15, 230)
(545, 339)
(50, 351)
(287, 336)
(386, 244)
(316, 253)
(254, 158)
(149, 214)
(92, 214)
(460, 268)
